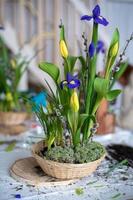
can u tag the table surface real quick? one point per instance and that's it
(101, 185)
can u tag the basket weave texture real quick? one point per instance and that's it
(12, 118)
(64, 171)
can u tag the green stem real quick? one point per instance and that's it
(92, 71)
(90, 82)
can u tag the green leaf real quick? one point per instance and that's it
(111, 59)
(83, 117)
(101, 86)
(79, 191)
(77, 137)
(82, 61)
(115, 39)
(50, 69)
(116, 196)
(111, 95)
(71, 62)
(51, 140)
(10, 147)
(62, 33)
(70, 118)
(122, 69)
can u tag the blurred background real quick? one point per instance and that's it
(32, 28)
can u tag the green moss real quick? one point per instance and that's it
(60, 154)
(85, 153)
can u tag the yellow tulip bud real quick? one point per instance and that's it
(13, 63)
(9, 96)
(114, 50)
(74, 102)
(63, 49)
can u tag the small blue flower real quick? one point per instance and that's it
(71, 82)
(91, 49)
(100, 47)
(39, 100)
(97, 18)
(18, 196)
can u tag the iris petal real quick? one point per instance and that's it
(96, 11)
(101, 20)
(91, 50)
(86, 17)
(74, 85)
(71, 81)
(100, 46)
(69, 77)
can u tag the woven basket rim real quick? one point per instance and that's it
(61, 163)
(13, 112)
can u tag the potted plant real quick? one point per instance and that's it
(13, 110)
(69, 120)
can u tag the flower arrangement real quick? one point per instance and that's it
(12, 68)
(69, 120)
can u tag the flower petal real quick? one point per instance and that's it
(69, 77)
(75, 84)
(101, 20)
(63, 83)
(86, 17)
(91, 50)
(100, 46)
(96, 11)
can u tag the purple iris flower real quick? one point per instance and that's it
(71, 82)
(91, 49)
(100, 47)
(98, 19)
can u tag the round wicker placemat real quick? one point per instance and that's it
(28, 171)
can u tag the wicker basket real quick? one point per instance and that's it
(64, 170)
(12, 118)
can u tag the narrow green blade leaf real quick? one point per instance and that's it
(50, 69)
(111, 95)
(84, 117)
(71, 62)
(122, 69)
(62, 33)
(10, 147)
(101, 86)
(70, 118)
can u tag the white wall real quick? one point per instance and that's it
(120, 14)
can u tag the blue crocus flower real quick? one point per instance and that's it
(98, 19)
(39, 100)
(91, 49)
(71, 82)
(100, 47)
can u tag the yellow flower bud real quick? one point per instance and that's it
(9, 96)
(74, 102)
(13, 63)
(114, 50)
(63, 49)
